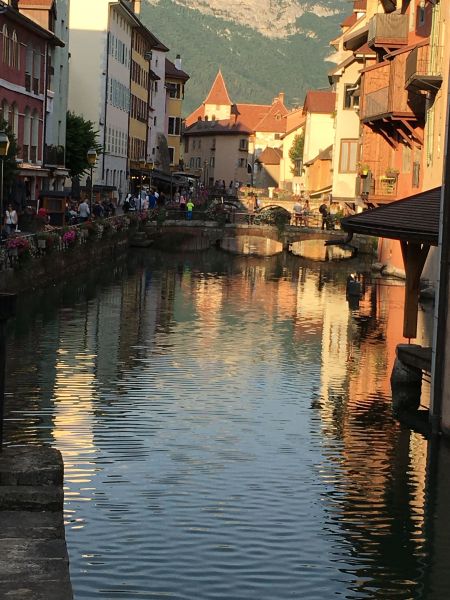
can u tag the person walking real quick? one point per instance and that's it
(189, 208)
(11, 220)
(83, 211)
(323, 209)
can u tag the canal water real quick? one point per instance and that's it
(227, 431)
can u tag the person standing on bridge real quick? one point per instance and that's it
(189, 209)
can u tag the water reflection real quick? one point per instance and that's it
(251, 245)
(316, 250)
(227, 419)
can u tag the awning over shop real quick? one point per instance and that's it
(414, 222)
(414, 219)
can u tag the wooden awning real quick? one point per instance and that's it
(414, 219)
(414, 222)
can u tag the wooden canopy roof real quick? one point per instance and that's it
(414, 219)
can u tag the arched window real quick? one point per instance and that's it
(15, 50)
(34, 136)
(14, 119)
(6, 47)
(26, 135)
(5, 111)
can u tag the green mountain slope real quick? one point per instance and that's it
(255, 67)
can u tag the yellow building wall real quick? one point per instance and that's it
(175, 109)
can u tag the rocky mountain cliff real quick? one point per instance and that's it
(262, 46)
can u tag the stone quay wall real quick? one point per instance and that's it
(34, 563)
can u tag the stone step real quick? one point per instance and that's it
(49, 590)
(32, 466)
(31, 525)
(31, 498)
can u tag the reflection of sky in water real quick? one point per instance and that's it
(226, 430)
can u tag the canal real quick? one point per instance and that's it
(227, 431)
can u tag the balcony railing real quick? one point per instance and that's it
(385, 95)
(388, 30)
(376, 187)
(54, 155)
(424, 68)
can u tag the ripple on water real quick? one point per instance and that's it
(227, 434)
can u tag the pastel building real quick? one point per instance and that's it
(245, 131)
(176, 79)
(100, 83)
(54, 16)
(24, 48)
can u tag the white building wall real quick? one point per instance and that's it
(158, 117)
(58, 96)
(347, 127)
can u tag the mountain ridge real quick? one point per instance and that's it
(256, 66)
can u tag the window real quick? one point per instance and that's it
(242, 163)
(406, 159)
(348, 157)
(198, 162)
(6, 47)
(350, 100)
(154, 121)
(156, 86)
(186, 145)
(174, 125)
(243, 144)
(175, 90)
(421, 16)
(171, 155)
(212, 162)
(298, 167)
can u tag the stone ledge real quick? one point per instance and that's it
(31, 525)
(31, 466)
(31, 498)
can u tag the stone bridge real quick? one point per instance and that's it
(214, 233)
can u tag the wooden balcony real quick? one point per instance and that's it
(384, 94)
(377, 188)
(424, 69)
(388, 31)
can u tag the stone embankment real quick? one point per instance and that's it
(34, 564)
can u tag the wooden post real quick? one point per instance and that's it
(414, 257)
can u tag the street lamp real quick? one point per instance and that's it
(92, 159)
(4, 147)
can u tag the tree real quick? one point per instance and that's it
(80, 137)
(10, 164)
(296, 153)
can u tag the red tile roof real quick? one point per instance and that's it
(250, 114)
(273, 119)
(270, 156)
(319, 101)
(36, 3)
(350, 20)
(218, 94)
(224, 126)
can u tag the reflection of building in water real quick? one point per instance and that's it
(378, 468)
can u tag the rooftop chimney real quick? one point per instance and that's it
(178, 62)
(281, 97)
(137, 6)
